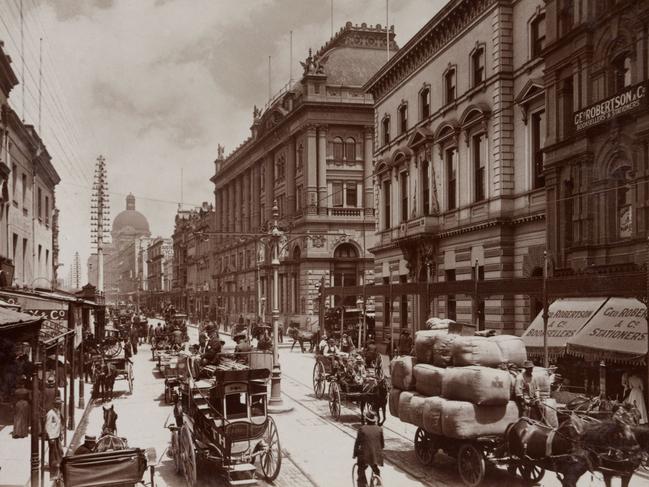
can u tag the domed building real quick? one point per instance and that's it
(129, 224)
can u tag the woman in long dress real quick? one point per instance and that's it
(636, 397)
(21, 412)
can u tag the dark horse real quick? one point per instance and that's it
(576, 447)
(376, 397)
(108, 440)
(302, 336)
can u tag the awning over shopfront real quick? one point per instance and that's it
(565, 318)
(618, 333)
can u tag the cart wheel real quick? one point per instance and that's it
(319, 380)
(188, 457)
(334, 400)
(471, 465)
(175, 451)
(530, 472)
(271, 459)
(112, 349)
(425, 446)
(129, 377)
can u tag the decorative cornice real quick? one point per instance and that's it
(445, 26)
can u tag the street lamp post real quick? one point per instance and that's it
(276, 404)
(361, 320)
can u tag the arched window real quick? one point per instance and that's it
(424, 103)
(386, 130)
(621, 72)
(345, 251)
(350, 149)
(338, 149)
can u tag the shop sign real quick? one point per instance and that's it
(629, 99)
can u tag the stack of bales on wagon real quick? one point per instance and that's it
(455, 390)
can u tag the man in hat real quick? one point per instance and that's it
(264, 342)
(53, 430)
(526, 389)
(405, 342)
(88, 446)
(50, 393)
(134, 337)
(243, 348)
(368, 448)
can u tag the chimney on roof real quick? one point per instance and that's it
(130, 202)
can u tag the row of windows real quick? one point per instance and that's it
(477, 70)
(478, 153)
(42, 204)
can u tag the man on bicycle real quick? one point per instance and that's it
(368, 448)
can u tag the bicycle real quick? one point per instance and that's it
(375, 480)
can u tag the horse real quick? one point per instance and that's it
(376, 397)
(109, 381)
(108, 440)
(302, 336)
(576, 447)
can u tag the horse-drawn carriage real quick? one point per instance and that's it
(106, 469)
(349, 384)
(223, 424)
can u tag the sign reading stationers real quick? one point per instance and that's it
(631, 98)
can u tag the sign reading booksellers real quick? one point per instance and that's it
(631, 98)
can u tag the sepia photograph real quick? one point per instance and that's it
(324, 243)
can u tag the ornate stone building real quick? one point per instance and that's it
(311, 151)
(458, 165)
(597, 150)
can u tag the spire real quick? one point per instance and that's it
(130, 202)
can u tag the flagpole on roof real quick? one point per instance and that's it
(387, 27)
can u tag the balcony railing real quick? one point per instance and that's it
(349, 212)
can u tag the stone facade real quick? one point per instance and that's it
(597, 160)
(458, 180)
(311, 152)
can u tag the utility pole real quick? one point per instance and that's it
(99, 217)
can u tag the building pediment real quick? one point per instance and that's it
(533, 88)
(420, 136)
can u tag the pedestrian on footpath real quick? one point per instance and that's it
(134, 338)
(368, 448)
(53, 429)
(22, 410)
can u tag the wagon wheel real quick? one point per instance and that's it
(112, 348)
(319, 380)
(188, 457)
(530, 472)
(175, 450)
(471, 465)
(271, 459)
(129, 377)
(334, 400)
(425, 446)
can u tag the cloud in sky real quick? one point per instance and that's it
(155, 85)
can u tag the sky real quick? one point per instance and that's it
(155, 85)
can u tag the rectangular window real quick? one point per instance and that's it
(24, 261)
(451, 304)
(386, 130)
(350, 149)
(479, 163)
(298, 198)
(538, 35)
(351, 194)
(566, 16)
(14, 182)
(449, 80)
(15, 247)
(538, 140)
(478, 66)
(386, 204)
(47, 210)
(24, 188)
(424, 101)
(403, 119)
(403, 311)
(425, 187)
(40, 204)
(568, 105)
(337, 193)
(404, 196)
(451, 178)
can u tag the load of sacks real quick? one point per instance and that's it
(452, 386)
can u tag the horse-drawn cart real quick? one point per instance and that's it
(224, 425)
(106, 469)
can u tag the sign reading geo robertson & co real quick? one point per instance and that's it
(629, 99)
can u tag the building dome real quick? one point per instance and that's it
(131, 220)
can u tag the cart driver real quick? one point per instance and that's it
(323, 344)
(88, 446)
(526, 389)
(368, 448)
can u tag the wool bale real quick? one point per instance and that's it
(432, 414)
(401, 373)
(393, 401)
(512, 348)
(424, 342)
(472, 350)
(478, 385)
(428, 379)
(403, 407)
(442, 350)
(412, 411)
(461, 419)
